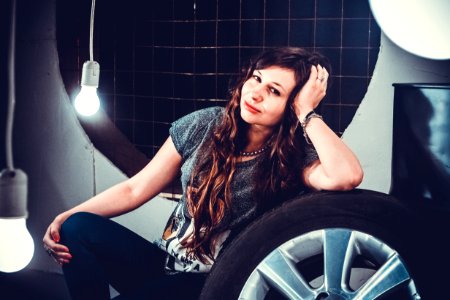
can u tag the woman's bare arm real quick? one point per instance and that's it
(137, 190)
(122, 197)
(337, 168)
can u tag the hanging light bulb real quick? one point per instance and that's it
(87, 102)
(16, 244)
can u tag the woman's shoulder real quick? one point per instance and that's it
(191, 130)
(208, 113)
(202, 117)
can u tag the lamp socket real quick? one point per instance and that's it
(13, 194)
(91, 73)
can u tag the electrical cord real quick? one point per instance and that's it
(91, 33)
(12, 89)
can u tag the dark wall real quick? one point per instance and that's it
(163, 59)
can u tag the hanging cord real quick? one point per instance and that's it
(91, 56)
(91, 33)
(12, 89)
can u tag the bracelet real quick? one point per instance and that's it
(305, 121)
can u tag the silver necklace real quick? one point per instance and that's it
(256, 152)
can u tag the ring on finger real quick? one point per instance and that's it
(49, 251)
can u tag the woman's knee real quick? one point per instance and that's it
(77, 224)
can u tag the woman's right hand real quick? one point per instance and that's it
(312, 93)
(58, 252)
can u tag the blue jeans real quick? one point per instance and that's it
(104, 252)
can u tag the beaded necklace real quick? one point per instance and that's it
(256, 152)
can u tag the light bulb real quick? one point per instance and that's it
(16, 245)
(87, 102)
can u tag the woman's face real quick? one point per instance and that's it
(264, 96)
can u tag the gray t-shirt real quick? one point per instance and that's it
(188, 134)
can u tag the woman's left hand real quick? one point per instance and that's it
(309, 97)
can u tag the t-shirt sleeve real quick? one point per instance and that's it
(188, 132)
(310, 155)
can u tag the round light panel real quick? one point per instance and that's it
(418, 26)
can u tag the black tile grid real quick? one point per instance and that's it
(172, 57)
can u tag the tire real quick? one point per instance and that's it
(281, 255)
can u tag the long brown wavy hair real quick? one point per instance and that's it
(278, 177)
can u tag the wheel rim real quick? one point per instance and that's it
(339, 249)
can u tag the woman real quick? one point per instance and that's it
(267, 145)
